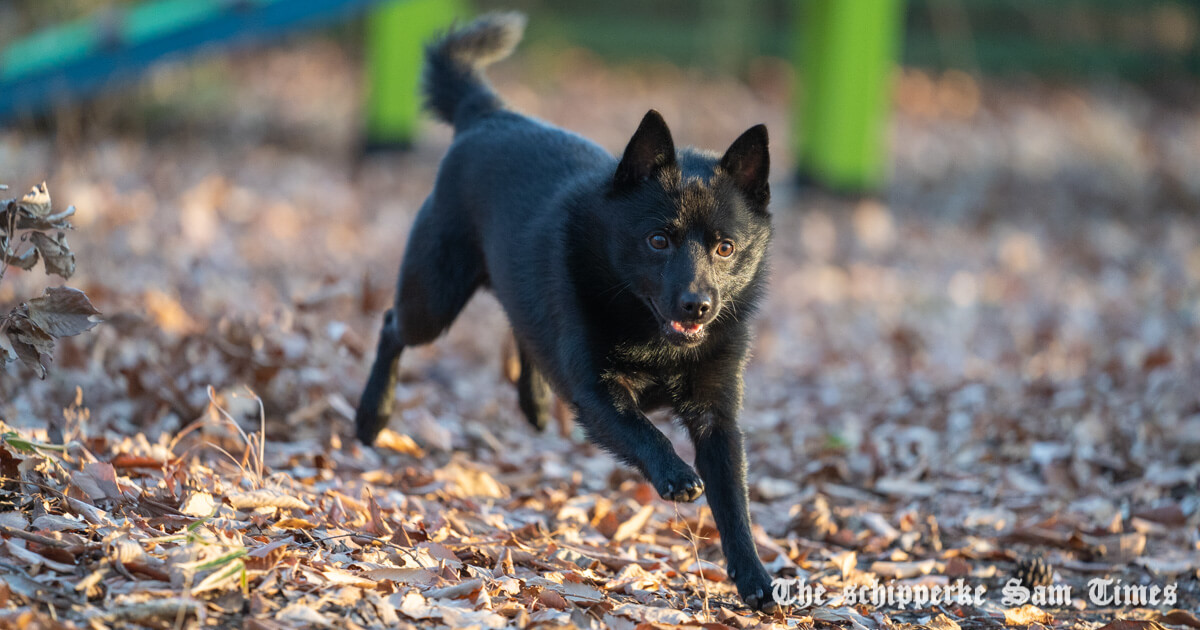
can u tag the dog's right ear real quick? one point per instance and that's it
(649, 151)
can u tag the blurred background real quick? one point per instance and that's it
(844, 67)
(986, 272)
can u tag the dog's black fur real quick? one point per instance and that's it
(629, 284)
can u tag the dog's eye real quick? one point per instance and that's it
(725, 249)
(658, 240)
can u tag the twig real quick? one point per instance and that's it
(212, 393)
(405, 550)
(42, 540)
(691, 537)
(154, 609)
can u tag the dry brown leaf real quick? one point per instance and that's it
(402, 575)
(398, 442)
(552, 599)
(902, 570)
(466, 588)
(472, 481)
(942, 622)
(300, 613)
(842, 617)
(339, 576)
(35, 560)
(1171, 515)
(1133, 624)
(63, 312)
(56, 523)
(265, 498)
(1026, 615)
(1180, 617)
(845, 562)
(56, 256)
(199, 504)
(29, 342)
(155, 611)
(126, 551)
(413, 605)
(708, 570)
(105, 477)
(1173, 565)
(294, 523)
(652, 614)
(633, 524)
(37, 201)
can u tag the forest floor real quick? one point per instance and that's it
(995, 361)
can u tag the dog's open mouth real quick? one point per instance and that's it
(682, 333)
(686, 329)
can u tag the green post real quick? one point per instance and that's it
(846, 59)
(396, 35)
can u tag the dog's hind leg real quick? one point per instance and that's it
(533, 392)
(439, 274)
(375, 405)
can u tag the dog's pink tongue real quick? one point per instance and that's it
(686, 328)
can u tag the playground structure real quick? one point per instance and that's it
(849, 49)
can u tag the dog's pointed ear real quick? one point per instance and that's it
(748, 163)
(650, 150)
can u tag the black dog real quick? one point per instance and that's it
(629, 284)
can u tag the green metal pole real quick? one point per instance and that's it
(846, 60)
(396, 36)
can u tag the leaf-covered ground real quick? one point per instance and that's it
(997, 361)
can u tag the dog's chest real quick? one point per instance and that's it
(642, 388)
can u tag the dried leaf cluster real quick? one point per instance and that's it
(29, 330)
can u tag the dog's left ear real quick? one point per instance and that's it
(748, 163)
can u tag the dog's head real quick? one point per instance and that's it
(695, 227)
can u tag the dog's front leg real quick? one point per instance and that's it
(629, 435)
(721, 460)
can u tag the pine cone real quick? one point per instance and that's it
(1034, 572)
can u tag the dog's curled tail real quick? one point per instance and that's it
(454, 86)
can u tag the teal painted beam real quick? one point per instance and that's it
(71, 61)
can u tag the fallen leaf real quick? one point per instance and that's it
(265, 497)
(840, 616)
(652, 614)
(1133, 624)
(901, 570)
(402, 575)
(398, 442)
(552, 599)
(633, 524)
(942, 622)
(1026, 615)
(1179, 617)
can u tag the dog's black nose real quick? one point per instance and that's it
(695, 305)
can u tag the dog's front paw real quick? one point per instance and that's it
(681, 484)
(754, 587)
